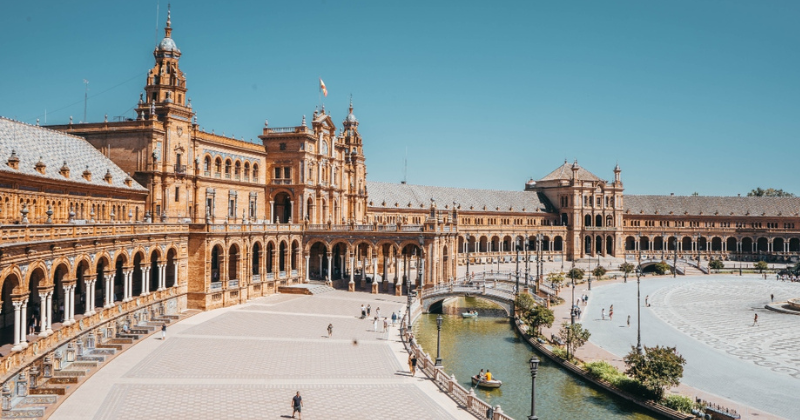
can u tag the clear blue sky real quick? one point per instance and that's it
(686, 95)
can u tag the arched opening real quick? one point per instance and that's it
(256, 261)
(172, 268)
(80, 287)
(411, 255)
(10, 283)
(658, 243)
(610, 245)
(564, 219)
(270, 259)
(282, 258)
(283, 208)
(233, 262)
(731, 245)
(102, 269)
(609, 221)
(587, 220)
(672, 243)
(216, 263)
(483, 244)
(155, 272)
(598, 220)
(644, 244)
(747, 245)
(58, 293)
(702, 244)
(598, 244)
(794, 245)
(339, 253)
(460, 244)
(777, 245)
(295, 257)
(587, 244)
(318, 261)
(118, 287)
(507, 244)
(762, 245)
(630, 243)
(716, 243)
(33, 316)
(471, 244)
(495, 244)
(138, 274)
(309, 215)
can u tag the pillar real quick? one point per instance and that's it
(23, 337)
(17, 325)
(272, 212)
(89, 303)
(308, 258)
(375, 274)
(176, 266)
(351, 286)
(67, 303)
(398, 285)
(330, 266)
(108, 299)
(49, 312)
(43, 314)
(146, 281)
(162, 276)
(126, 274)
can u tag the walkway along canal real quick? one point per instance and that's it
(471, 344)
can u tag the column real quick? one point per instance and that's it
(17, 325)
(351, 286)
(67, 303)
(177, 270)
(43, 314)
(126, 274)
(89, 304)
(162, 271)
(23, 337)
(330, 264)
(272, 212)
(69, 306)
(109, 292)
(308, 258)
(396, 268)
(145, 281)
(49, 307)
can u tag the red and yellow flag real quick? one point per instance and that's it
(322, 87)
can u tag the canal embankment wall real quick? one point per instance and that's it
(652, 407)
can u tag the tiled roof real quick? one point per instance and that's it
(385, 195)
(32, 143)
(709, 206)
(565, 172)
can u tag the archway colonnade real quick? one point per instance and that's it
(714, 246)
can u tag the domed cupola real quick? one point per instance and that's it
(167, 47)
(351, 119)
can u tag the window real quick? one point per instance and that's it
(247, 170)
(218, 165)
(255, 173)
(177, 194)
(207, 165)
(277, 173)
(237, 169)
(287, 172)
(282, 146)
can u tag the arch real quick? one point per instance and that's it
(495, 244)
(270, 257)
(686, 244)
(37, 265)
(11, 287)
(630, 243)
(61, 271)
(587, 244)
(747, 244)
(472, 243)
(460, 246)
(83, 271)
(484, 244)
(598, 244)
(207, 164)
(282, 203)
(507, 244)
(171, 277)
(598, 220)
(217, 166)
(730, 243)
(762, 244)
(658, 243)
(438, 298)
(295, 250)
(609, 221)
(255, 172)
(702, 244)
(155, 272)
(255, 259)
(778, 244)
(228, 166)
(794, 245)
(587, 220)
(644, 243)
(36, 285)
(318, 260)
(609, 245)
(282, 247)
(117, 284)
(233, 262)
(237, 169)
(138, 273)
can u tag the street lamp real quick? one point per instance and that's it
(438, 340)
(527, 279)
(408, 292)
(675, 260)
(572, 302)
(467, 244)
(534, 362)
(638, 300)
(516, 245)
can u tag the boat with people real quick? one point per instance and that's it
(470, 314)
(486, 383)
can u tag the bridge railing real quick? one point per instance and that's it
(449, 384)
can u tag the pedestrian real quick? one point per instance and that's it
(772, 297)
(330, 330)
(164, 331)
(297, 405)
(629, 320)
(363, 311)
(611, 313)
(375, 324)
(646, 298)
(369, 309)
(755, 320)
(378, 312)
(385, 324)
(413, 364)
(603, 313)
(394, 318)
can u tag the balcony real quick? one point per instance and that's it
(282, 182)
(217, 175)
(215, 286)
(180, 169)
(256, 278)
(232, 284)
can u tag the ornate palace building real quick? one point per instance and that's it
(106, 225)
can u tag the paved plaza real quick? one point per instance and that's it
(710, 321)
(248, 361)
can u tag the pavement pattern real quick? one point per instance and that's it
(709, 319)
(248, 361)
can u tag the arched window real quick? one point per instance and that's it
(247, 171)
(237, 169)
(255, 172)
(228, 168)
(207, 166)
(217, 167)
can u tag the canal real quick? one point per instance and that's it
(486, 342)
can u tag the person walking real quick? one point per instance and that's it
(363, 311)
(412, 364)
(297, 405)
(646, 298)
(611, 313)
(629, 320)
(163, 331)
(394, 318)
(603, 313)
(375, 324)
(385, 324)
(369, 309)
(378, 312)
(330, 330)
(772, 297)
(755, 320)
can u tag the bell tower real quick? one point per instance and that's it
(355, 168)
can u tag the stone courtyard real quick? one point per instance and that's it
(248, 361)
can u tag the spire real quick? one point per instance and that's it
(168, 29)
(351, 103)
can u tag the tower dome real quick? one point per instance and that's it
(167, 45)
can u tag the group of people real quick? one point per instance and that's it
(377, 320)
(610, 313)
(787, 277)
(485, 377)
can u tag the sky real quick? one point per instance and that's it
(687, 96)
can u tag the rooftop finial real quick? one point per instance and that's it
(351, 103)
(168, 29)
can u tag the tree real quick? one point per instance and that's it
(626, 268)
(760, 266)
(716, 264)
(574, 336)
(656, 368)
(695, 194)
(769, 192)
(524, 303)
(599, 271)
(540, 316)
(555, 278)
(662, 268)
(575, 274)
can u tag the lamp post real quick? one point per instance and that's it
(534, 362)
(638, 300)
(467, 275)
(539, 264)
(527, 278)
(517, 248)
(572, 302)
(408, 292)
(438, 340)
(675, 260)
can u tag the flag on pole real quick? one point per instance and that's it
(323, 88)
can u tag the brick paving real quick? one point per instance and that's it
(248, 361)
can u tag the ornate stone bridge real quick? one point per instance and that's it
(497, 292)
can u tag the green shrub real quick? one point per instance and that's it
(602, 370)
(599, 272)
(634, 387)
(560, 352)
(680, 403)
(662, 268)
(716, 264)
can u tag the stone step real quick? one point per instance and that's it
(24, 413)
(70, 372)
(84, 364)
(141, 330)
(61, 380)
(50, 390)
(121, 340)
(40, 399)
(108, 351)
(106, 346)
(91, 358)
(132, 337)
(172, 317)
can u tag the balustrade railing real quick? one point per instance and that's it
(217, 285)
(270, 276)
(282, 274)
(233, 283)
(294, 273)
(256, 278)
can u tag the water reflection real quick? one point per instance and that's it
(472, 344)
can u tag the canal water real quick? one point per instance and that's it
(472, 344)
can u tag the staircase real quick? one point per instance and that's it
(42, 399)
(690, 270)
